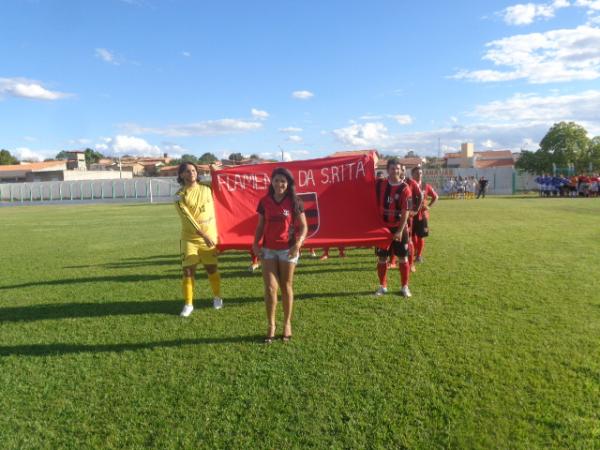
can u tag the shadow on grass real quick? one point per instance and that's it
(126, 308)
(108, 278)
(65, 349)
(74, 310)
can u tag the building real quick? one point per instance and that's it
(468, 158)
(54, 171)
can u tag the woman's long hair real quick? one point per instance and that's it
(291, 188)
(181, 169)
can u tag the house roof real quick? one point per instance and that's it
(489, 163)
(351, 153)
(493, 154)
(412, 161)
(33, 167)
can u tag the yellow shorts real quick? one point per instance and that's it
(193, 253)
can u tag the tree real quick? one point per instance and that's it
(189, 158)
(92, 156)
(62, 155)
(592, 155)
(566, 143)
(237, 157)
(208, 158)
(534, 162)
(6, 159)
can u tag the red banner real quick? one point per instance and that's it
(338, 194)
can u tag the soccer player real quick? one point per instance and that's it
(420, 225)
(281, 230)
(394, 202)
(198, 235)
(417, 202)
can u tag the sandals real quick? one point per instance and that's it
(269, 340)
(286, 339)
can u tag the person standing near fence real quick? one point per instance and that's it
(420, 228)
(198, 235)
(483, 183)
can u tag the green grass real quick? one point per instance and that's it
(498, 348)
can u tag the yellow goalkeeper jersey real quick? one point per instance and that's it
(197, 211)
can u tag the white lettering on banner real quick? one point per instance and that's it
(237, 182)
(306, 177)
(343, 172)
(340, 173)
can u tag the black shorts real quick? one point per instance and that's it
(398, 248)
(420, 227)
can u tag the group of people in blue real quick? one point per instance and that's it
(574, 186)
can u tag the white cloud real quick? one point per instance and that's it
(553, 56)
(26, 154)
(525, 14)
(519, 121)
(80, 141)
(258, 114)
(290, 130)
(302, 95)
(106, 56)
(128, 145)
(370, 134)
(186, 54)
(294, 138)
(403, 119)
(590, 4)
(30, 89)
(582, 107)
(371, 117)
(174, 150)
(206, 128)
(488, 143)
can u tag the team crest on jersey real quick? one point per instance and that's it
(286, 212)
(311, 211)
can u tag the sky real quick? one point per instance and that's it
(293, 79)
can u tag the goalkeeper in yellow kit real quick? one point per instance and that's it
(198, 235)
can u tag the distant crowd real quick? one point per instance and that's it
(574, 186)
(466, 187)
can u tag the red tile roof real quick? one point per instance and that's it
(489, 163)
(351, 153)
(31, 167)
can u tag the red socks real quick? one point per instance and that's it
(419, 246)
(382, 273)
(404, 272)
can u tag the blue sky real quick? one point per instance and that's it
(146, 77)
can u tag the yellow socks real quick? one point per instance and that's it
(215, 283)
(187, 284)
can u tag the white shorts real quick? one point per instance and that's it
(279, 255)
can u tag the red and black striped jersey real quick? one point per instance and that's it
(393, 200)
(417, 194)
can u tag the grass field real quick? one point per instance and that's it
(499, 347)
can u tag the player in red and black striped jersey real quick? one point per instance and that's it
(420, 228)
(394, 199)
(417, 203)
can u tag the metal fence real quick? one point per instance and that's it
(153, 190)
(501, 181)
